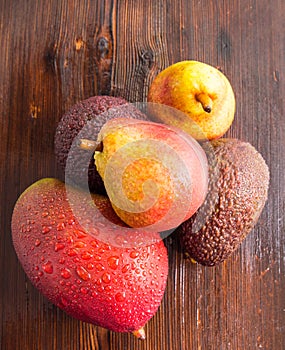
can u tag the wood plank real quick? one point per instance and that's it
(56, 53)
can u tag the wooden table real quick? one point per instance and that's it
(55, 53)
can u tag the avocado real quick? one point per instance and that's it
(84, 120)
(237, 192)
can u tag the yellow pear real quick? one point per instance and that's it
(201, 92)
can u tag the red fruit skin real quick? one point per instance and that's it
(116, 288)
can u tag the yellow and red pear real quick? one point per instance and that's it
(155, 175)
(201, 92)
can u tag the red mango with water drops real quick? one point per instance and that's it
(95, 282)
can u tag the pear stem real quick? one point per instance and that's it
(90, 145)
(206, 101)
(140, 333)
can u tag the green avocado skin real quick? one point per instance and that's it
(237, 193)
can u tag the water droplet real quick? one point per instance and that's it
(61, 216)
(60, 226)
(113, 262)
(126, 268)
(71, 252)
(121, 240)
(65, 273)
(47, 267)
(45, 214)
(90, 266)
(58, 246)
(134, 254)
(71, 222)
(40, 273)
(100, 289)
(63, 301)
(128, 277)
(108, 289)
(69, 239)
(83, 290)
(83, 273)
(86, 255)
(45, 230)
(93, 231)
(106, 277)
(99, 267)
(120, 297)
(37, 242)
(94, 243)
(79, 233)
(98, 282)
(138, 271)
(61, 260)
(79, 244)
(97, 257)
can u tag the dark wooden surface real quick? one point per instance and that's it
(55, 53)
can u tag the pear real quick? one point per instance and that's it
(156, 176)
(201, 92)
(114, 287)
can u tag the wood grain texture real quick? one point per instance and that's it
(55, 53)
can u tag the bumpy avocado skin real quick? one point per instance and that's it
(238, 189)
(97, 109)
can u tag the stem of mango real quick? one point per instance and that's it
(140, 333)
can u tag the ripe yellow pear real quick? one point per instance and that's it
(201, 92)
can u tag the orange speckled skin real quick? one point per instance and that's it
(176, 194)
(116, 288)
